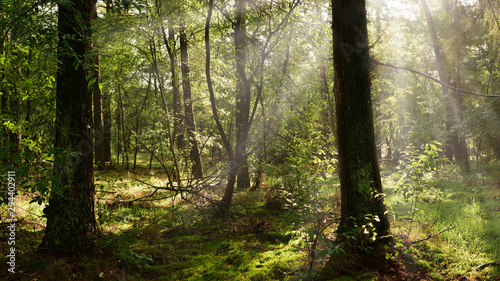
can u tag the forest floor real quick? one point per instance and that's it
(442, 232)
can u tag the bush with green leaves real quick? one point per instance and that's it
(418, 170)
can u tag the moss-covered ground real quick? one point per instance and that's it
(444, 233)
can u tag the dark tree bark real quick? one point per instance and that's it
(190, 124)
(118, 135)
(359, 173)
(4, 133)
(170, 135)
(327, 107)
(71, 224)
(225, 203)
(15, 113)
(99, 144)
(176, 95)
(498, 146)
(462, 153)
(121, 123)
(243, 95)
(106, 114)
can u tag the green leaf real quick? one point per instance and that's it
(91, 83)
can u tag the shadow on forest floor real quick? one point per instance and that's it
(165, 241)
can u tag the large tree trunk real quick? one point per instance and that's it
(242, 97)
(359, 173)
(194, 151)
(71, 224)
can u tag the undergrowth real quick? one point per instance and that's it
(444, 225)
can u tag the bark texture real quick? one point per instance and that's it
(242, 106)
(99, 144)
(189, 122)
(359, 171)
(225, 203)
(71, 224)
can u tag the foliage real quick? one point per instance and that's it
(291, 141)
(418, 171)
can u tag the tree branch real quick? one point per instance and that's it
(431, 236)
(433, 79)
(485, 265)
(225, 141)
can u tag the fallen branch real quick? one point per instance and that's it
(13, 221)
(433, 79)
(485, 265)
(432, 236)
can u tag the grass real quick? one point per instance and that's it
(465, 209)
(169, 239)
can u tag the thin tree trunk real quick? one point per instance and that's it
(478, 150)
(15, 113)
(242, 106)
(178, 136)
(99, 149)
(171, 135)
(118, 134)
(15, 136)
(3, 108)
(4, 134)
(498, 146)
(194, 151)
(122, 123)
(107, 121)
(462, 152)
(325, 108)
(99, 145)
(153, 149)
(225, 203)
(135, 154)
(452, 141)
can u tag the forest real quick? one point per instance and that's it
(250, 139)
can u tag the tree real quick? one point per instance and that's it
(360, 184)
(225, 203)
(172, 54)
(71, 224)
(190, 124)
(243, 95)
(99, 145)
(455, 139)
